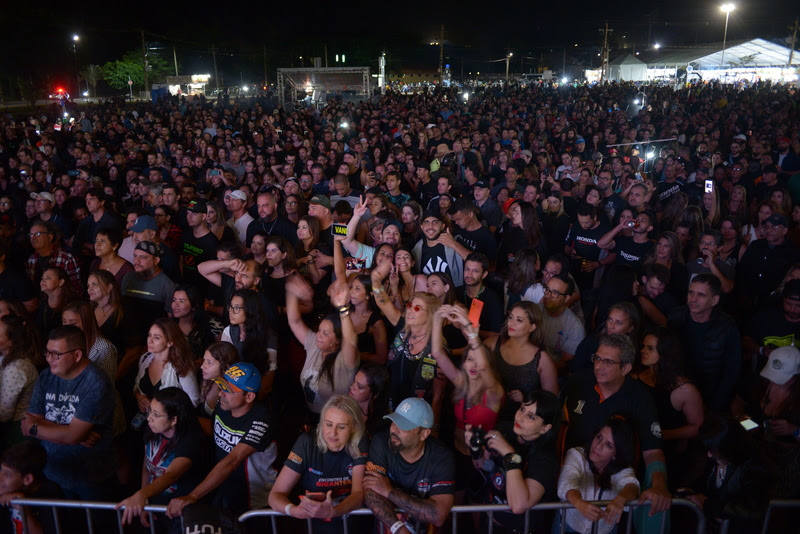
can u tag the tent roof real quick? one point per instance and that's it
(627, 59)
(330, 79)
(745, 53)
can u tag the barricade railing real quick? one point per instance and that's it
(88, 506)
(777, 503)
(492, 509)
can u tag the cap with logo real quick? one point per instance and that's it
(482, 184)
(241, 376)
(238, 194)
(321, 200)
(145, 222)
(197, 206)
(412, 413)
(154, 249)
(44, 195)
(783, 364)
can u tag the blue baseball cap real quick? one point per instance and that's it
(241, 376)
(412, 413)
(145, 222)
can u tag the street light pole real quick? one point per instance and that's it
(727, 8)
(75, 39)
(508, 60)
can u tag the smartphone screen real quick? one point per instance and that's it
(748, 424)
(709, 186)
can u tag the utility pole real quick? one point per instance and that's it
(214, 55)
(144, 60)
(794, 41)
(265, 66)
(175, 59)
(605, 53)
(441, 57)
(326, 55)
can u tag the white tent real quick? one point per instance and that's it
(627, 69)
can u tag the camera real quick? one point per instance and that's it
(477, 441)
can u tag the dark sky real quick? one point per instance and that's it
(36, 36)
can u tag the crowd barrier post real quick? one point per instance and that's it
(777, 503)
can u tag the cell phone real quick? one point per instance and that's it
(353, 264)
(709, 186)
(215, 172)
(73, 173)
(475, 310)
(339, 229)
(315, 496)
(748, 424)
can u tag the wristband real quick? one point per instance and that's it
(344, 309)
(288, 509)
(657, 467)
(397, 526)
(472, 335)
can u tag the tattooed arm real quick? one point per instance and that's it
(381, 507)
(433, 510)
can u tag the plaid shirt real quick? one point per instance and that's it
(57, 258)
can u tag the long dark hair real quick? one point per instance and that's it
(258, 336)
(622, 435)
(548, 407)
(26, 344)
(326, 369)
(669, 369)
(195, 297)
(523, 271)
(180, 353)
(177, 404)
(530, 223)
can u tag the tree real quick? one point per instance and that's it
(29, 90)
(117, 73)
(92, 74)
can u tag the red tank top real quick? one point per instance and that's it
(478, 415)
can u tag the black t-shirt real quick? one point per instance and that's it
(630, 252)
(586, 411)
(665, 191)
(434, 260)
(433, 474)
(585, 244)
(14, 285)
(324, 471)
(769, 326)
(480, 240)
(158, 457)
(612, 205)
(492, 315)
(195, 251)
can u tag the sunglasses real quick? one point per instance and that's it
(416, 307)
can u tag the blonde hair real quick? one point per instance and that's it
(431, 303)
(348, 405)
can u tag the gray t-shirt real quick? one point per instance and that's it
(561, 334)
(89, 397)
(316, 387)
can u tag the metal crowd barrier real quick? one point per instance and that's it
(491, 509)
(777, 503)
(88, 506)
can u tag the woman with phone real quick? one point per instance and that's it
(326, 468)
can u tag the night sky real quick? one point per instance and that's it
(37, 35)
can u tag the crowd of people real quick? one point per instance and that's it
(405, 304)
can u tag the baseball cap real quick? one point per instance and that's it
(783, 364)
(412, 413)
(481, 183)
(197, 206)
(580, 140)
(433, 213)
(776, 219)
(527, 152)
(241, 376)
(792, 289)
(740, 137)
(44, 196)
(238, 194)
(321, 200)
(145, 222)
(393, 222)
(154, 249)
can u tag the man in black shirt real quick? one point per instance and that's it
(630, 250)
(766, 261)
(432, 255)
(774, 326)
(476, 268)
(591, 397)
(470, 235)
(199, 244)
(582, 245)
(409, 469)
(612, 202)
(269, 221)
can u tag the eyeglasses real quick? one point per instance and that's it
(553, 292)
(56, 355)
(604, 362)
(37, 234)
(551, 273)
(416, 307)
(155, 414)
(768, 227)
(235, 309)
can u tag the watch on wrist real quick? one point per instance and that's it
(511, 461)
(34, 429)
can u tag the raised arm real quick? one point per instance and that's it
(437, 346)
(296, 289)
(210, 270)
(340, 298)
(607, 241)
(350, 242)
(339, 266)
(378, 275)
